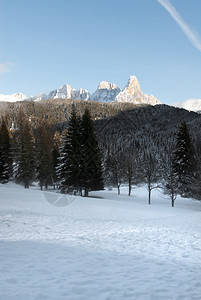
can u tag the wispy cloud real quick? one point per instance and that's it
(192, 36)
(5, 67)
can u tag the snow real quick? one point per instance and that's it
(13, 97)
(106, 92)
(132, 93)
(102, 247)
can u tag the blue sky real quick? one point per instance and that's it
(46, 43)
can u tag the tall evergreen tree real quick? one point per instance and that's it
(25, 151)
(91, 165)
(68, 170)
(5, 153)
(80, 161)
(184, 164)
(44, 155)
(55, 156)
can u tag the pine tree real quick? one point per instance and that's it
(25, 151)
(5, 153)
(91, 165)
(80, 161)
(184, 165)
(44, 155)
(68, 170)
(55, 156)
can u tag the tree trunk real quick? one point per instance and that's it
(118, 186)
(86, 192)
(172, 201)
(129, 188)
(26, 184)
(149, 196)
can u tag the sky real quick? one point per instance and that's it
(45, 44)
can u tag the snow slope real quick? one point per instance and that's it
(103, 247)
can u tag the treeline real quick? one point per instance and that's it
(71, 162)
(57, 111)
(142, 146)
(135, 145)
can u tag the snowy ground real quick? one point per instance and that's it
(104, 247)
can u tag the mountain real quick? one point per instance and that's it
(132, 93)
(64, 92)
(13, 97)
(190, 104)
(106, 92)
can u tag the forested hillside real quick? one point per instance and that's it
(138, 143)
(57, 111)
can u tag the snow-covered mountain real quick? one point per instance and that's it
(190, 104)
(64, 92)
(106, 92)
(13, 97)
(132, 93)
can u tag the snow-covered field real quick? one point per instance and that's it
(103, 247)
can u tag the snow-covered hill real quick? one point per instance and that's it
(106, 92)
(107, 246)
(190, 104)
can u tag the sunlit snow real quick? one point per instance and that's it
(103, 247)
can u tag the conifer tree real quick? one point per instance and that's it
(44, 155)
(5, 153)
(25, 151)
(55, 156)
(68, 170)
(80, 161)
(91, 165)
(184, 165)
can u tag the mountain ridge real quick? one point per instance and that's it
(105, 92)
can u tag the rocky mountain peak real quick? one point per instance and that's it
(106, 92)
(133, 93)
(133, 87)
(107, 85)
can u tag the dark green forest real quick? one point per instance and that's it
(138, 144)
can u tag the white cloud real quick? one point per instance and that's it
(5, 67)
(194, 38)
